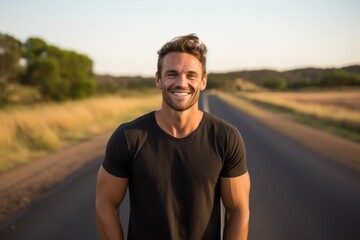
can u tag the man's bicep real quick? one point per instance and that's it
(235, 191)
(110, 188)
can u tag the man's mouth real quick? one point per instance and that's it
(181, 93)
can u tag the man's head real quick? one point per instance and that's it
(181, 72)
(190, 44)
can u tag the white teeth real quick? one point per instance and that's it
(180, 93)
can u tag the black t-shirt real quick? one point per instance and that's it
(174, 183)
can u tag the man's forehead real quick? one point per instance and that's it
(183, 60)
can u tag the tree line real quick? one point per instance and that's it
(290, 80)
(270, 79)
(58, 74)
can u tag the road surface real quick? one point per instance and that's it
(296, 193)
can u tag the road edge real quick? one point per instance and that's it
(340, 151)
(23, 187)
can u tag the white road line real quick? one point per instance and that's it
(205, 102)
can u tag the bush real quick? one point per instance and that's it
(337, 78)
(276, 83)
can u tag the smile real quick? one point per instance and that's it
(180, 93)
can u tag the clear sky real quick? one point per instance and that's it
(123, 36)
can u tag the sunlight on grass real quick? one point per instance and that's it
(339, 108)
(337, 113)
(27, 132)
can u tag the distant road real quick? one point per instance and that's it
(296, 193)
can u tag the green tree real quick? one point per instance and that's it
(45, 73)
(77, 70)
(34, 48)
(276, 83)
(303, 83)
(337, 78)
(10, 54)
(60, 74)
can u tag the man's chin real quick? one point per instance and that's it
(178, 107)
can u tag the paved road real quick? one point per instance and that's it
(296, 194)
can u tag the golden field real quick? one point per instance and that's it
(27, 132)
(340, 108)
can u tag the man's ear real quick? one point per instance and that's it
(203, 83)
(157, 80)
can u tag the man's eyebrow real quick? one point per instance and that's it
(175, 71)
(171, 71)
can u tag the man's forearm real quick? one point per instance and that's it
(236, 225)
(108, 224)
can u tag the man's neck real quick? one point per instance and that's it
(179, 124)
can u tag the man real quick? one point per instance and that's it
(177, 161)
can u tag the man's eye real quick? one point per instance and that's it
(171, 75)
(191, 76)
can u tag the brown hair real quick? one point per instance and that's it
(186, 44)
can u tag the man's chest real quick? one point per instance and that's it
(195, 160)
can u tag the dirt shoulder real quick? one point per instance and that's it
(21, 187)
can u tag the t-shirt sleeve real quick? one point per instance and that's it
(235, 155)
(116, 161)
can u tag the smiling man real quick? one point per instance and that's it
(178, 162)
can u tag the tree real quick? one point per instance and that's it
(76, 69)
(276, 83)
(45, 73)
(60, 74)
(303, 83)
(337, 78)
(10, 54)
(34, 48)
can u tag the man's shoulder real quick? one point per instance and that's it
(137, 125)
(139, 122)
(214, 121)
(221, 130)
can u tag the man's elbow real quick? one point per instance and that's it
(100, 211)
(104, 209)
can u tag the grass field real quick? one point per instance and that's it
(336, 111)
(28, 132)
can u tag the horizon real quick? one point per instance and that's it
(122, 38)
(240, 70)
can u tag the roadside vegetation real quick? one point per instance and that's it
(337, 112)
(297, 79)
(56, 73)
(28, 132)
(50, 98)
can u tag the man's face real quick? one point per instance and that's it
(181, 80)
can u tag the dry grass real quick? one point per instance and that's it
(341, 108)
(31, 131)
(346, 99)
(340, 150)
(247, 86)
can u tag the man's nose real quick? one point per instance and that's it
(182, 81)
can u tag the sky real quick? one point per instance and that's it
(122, 37)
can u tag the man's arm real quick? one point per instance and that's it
(235, 196)
(110, 191)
